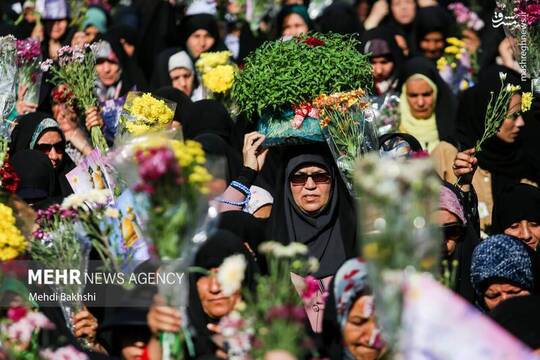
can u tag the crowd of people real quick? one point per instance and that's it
(489, 208)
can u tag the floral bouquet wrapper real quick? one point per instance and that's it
(291, 126)
(28, 61)
(386, 113)
(143, 113)
(396, 200)
(8, 75)
(348, 127)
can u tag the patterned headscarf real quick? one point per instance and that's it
(351, 280)
(45, 124)
(448, 201)
(501, 257)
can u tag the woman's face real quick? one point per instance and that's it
(382, 68)
(432, 45)
(108, 72)
(214, 303)
(91, 33)
(294, 25)
(420, 97)
(359, 330)
(403, 11)
(511, 126)
(182, 79)
(500, 291)
(311, 187)
(52, 145)
(58, 29)
(526, 231)
(199, 42)
(79, 39)
(446, 218)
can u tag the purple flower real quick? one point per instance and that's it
(46, 65)
(28, 50)
(64, 50)
(154, 164)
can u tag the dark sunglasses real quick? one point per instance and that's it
(301, 179)
(59, 147)
(453, 231)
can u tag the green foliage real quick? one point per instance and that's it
(290, 72)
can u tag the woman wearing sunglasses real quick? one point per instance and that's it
(38, 131)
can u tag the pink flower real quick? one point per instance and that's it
(64, 353)
(39, 321)
(311, 287)
(21, 331)
(46, 65)
(16, 313)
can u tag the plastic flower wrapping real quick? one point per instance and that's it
(57, 246)
(396, 200)
(16, 220)
(218, 73)
(28, 61)
(170, 181)
(8, 75)
(386, 113)
(76, 70)
(524, 34)
(143, 113)
(347, 128)
(457, 67)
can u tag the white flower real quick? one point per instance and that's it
(268, 247)
(231, 274)
(502, 75)
(291, 250)
(73, 201)
(112, 213)
(313, 264)
(80, 201)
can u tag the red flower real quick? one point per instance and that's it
(9, 180)
(16, 313)
(313, 42)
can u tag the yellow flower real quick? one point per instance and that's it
(371, 251)
(441, 63)
(526, 101)
(12, 242)
(220, 79)
(210, 60)
(452, 50)
(463, 85)
(455, 41)
(147, 113)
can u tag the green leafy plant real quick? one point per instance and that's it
(287, 72)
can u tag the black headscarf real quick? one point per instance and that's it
(173, 94)
(287, 10)
(330, 234)
(516, 203)
(21, 138)
(433, 19)
(192, 23)
(408, 31)
(520, 316)
(503, 160)
(37, 177)
(340, 18)
(207, 117)
(212, 253)
(445, 107)
(214, 145)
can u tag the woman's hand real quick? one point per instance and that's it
(21, 106)
(85, 325)
(379, 10)
(253, 157)
(93, 118)
(465, 165)
(163, 318)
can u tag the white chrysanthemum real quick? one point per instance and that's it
(313, 264)
(231, 274)
(73, 201)
(112, 213)
(81, 201)
(268, 247)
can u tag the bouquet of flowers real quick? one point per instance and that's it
(13, 241)
(56, 246)
(9, 180)
(8, 75)
(345, 127)
(386, 115)
(19, 332)
(76, 70)
(396, 200)
(217, 72)
(172, 186)
(278, 313)
(457, 67)
(144, 113)
(28, 61)
(524, 33)
(281, 78)
(465, 17)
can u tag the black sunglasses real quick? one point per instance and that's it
(318, 178)
(59, 147)
(453, 231)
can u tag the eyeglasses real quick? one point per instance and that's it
(59, 147)
(453, 231)
(318, 178)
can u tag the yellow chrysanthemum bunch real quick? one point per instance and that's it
(12, 242)
(148, 114)
(208, 61)
(526, 101)
(219, 79)
(191, 158)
